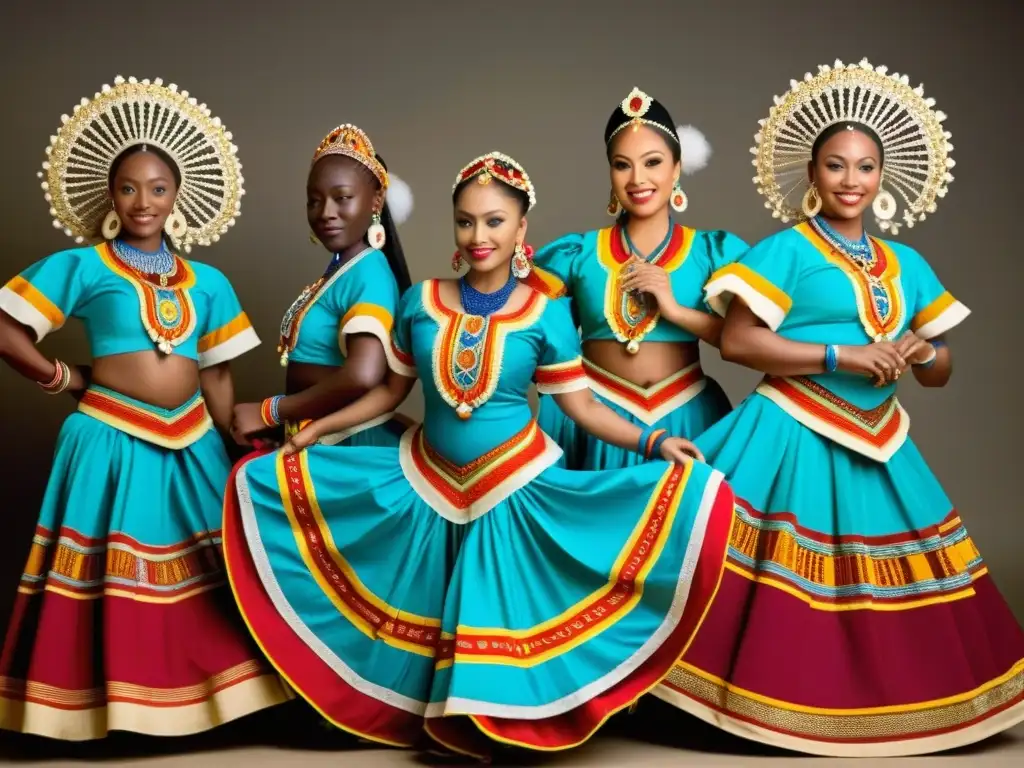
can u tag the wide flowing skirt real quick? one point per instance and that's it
(856, 616)
(123, 619)
(511, 602)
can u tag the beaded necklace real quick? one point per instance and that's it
(481, 304)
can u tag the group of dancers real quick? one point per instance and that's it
(788, 570)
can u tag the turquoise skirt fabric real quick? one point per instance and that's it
(539, 616)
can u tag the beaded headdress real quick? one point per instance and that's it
(132, 113)
(350, 141)
(915, 146)
(495, 165)
(639, 109)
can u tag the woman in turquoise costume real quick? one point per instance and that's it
(123, 619)
(461, 581)
(856, 616)
(637, 288)
(335, 337)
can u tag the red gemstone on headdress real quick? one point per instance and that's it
(635, 103)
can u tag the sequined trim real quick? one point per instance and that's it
(876, 433)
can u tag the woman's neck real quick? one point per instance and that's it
(487, 282)
(852, 229)
(352, 251)
(648, 233)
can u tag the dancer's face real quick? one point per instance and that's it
(341, 198)
(643, 171)
(143, 191)
(847, 173)
(489, 222)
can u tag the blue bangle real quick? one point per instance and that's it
(656, 448)
(831, 358)
(645, 438)
(275, 403)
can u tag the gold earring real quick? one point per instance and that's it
(111, 225)
(614, 206)
(811, 204)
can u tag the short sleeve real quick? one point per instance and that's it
(764, 277)
(227, 332)
(400, 358)
(48, 292)
(934, 310)
(367, 303)
(560, 368)
(555, 266)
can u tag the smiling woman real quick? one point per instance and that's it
(636, 288)
(335, 335)
(395, 586)
(122, 620)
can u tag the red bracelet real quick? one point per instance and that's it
(267, 413)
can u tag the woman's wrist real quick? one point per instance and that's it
(831, 358)
(930, 361)
(270, 410)
(650, 441)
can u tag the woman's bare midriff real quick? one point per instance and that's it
(166, 381)
(302, 376)
(655, 361)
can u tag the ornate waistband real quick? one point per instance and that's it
(174, 429)
(649, 404)
(876, 433)
(463, 493)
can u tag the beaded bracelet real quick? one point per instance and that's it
(831, 358)
(269, 410)
(60, 381)
(648, 440)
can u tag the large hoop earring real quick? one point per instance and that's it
(614, 206)
(176, 226)
(111, 227)
(375, 234)
(811, 204)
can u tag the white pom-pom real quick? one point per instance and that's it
(695, 149)
(399, 199)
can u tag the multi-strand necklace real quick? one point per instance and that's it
(482, 304)
(159, 263)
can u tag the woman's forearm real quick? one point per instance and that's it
(939, 372)
(707, 328)
(218, 390)
(344, 386)
(378, 401)
(18, 350)
(598, 419)
(746, 341)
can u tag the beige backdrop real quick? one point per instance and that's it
(438, 83)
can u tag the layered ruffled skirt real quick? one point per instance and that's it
(506, 601)
(123, 619)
